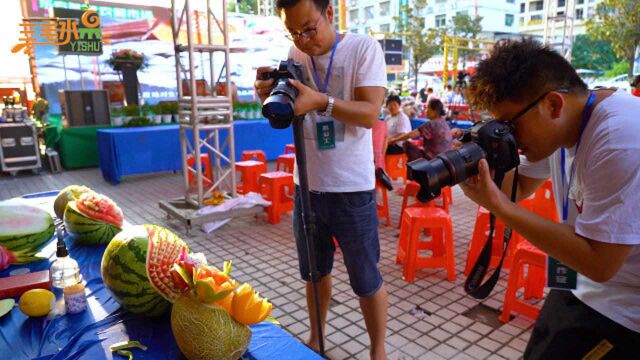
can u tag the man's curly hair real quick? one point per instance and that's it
(519, 71)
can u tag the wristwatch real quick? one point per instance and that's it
(327, 112)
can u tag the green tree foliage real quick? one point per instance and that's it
(465, 26)
(422, 43)
(618, 68)
(618, 21)
(243, 6)
(592, 54)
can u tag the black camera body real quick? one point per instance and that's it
(491, 140)
(279, 106)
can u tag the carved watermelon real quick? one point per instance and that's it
(136, 268)
(24, 228)
(93, 219)
(68, 194)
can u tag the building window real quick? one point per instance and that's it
(441, 20)
(368, 13)
(560, 3)
(590, 12)
(579, 14)
(385, 28)
(367, 29)
(580, 2)
(508, 19)
(354, 30)
(511, 1)
(536, 18)
(384, 8)
(521, 20)
(353, 15)
(536, 5)
(522, 6)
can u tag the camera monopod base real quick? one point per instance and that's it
(308, 220)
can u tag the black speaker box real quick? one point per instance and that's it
(393, 58)
(87, 107)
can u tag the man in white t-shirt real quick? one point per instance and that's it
(341, 100)
(397, 122)
(587, 142)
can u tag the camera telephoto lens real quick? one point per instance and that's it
(278, 107)
(447, 169)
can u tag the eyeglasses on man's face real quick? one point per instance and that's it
(307, 34)
(511, 123)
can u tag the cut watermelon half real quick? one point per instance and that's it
(164, 249)
(24, 227)
(100, 207)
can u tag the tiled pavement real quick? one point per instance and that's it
(265, 255)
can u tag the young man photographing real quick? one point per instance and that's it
(346, 89)
(587, 142)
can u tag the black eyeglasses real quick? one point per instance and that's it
(307, 34)
(512, 122)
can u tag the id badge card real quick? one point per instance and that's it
(326, 134)
(560, 276)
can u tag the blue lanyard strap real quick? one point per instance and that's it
(324, 87)
(586, 114)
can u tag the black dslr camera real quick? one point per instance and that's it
(491, 140)
(278, 107)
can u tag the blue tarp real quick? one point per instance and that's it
(88, 335)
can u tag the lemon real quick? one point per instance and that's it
(37, 302)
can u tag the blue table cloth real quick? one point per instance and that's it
(129, 151)
(460, 124)
(89, 334)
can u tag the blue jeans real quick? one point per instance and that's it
(353, 219)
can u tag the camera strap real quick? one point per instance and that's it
(472, 285)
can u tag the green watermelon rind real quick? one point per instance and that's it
(33, 241)
(85, 230)
(124, 274)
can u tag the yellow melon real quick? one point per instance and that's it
(206, 331)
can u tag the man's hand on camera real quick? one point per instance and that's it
(482, 190)
(263, 87)
(308, 99)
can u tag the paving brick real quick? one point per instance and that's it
(510, 353)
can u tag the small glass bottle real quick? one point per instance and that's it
(64, 270)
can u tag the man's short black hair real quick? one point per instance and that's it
(395, 98)
(520, 71)
(321, 5)
(449, 87)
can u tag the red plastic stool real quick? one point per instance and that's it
(290, 148)
(479, 238)
(275, 187)
(254, 155)
(411, 191)
(286, 161)
(544, 203)
(414, 221)
(250, 171)
(383, 209)
(533, 281)
(396, 166)
(206, 169)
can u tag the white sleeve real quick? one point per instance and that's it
(404, 123)
(537, 170)
(371, 69)
(611, 194)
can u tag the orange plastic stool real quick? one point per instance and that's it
(544, 203)
(383, 209)
(525, 254)
(286, 161)
(254, 155)
(479, 238)
(206, 169)
(290, 148)
(250, 171)
(275, 187)
(414, 221)
(411, 191)
(396, 166)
